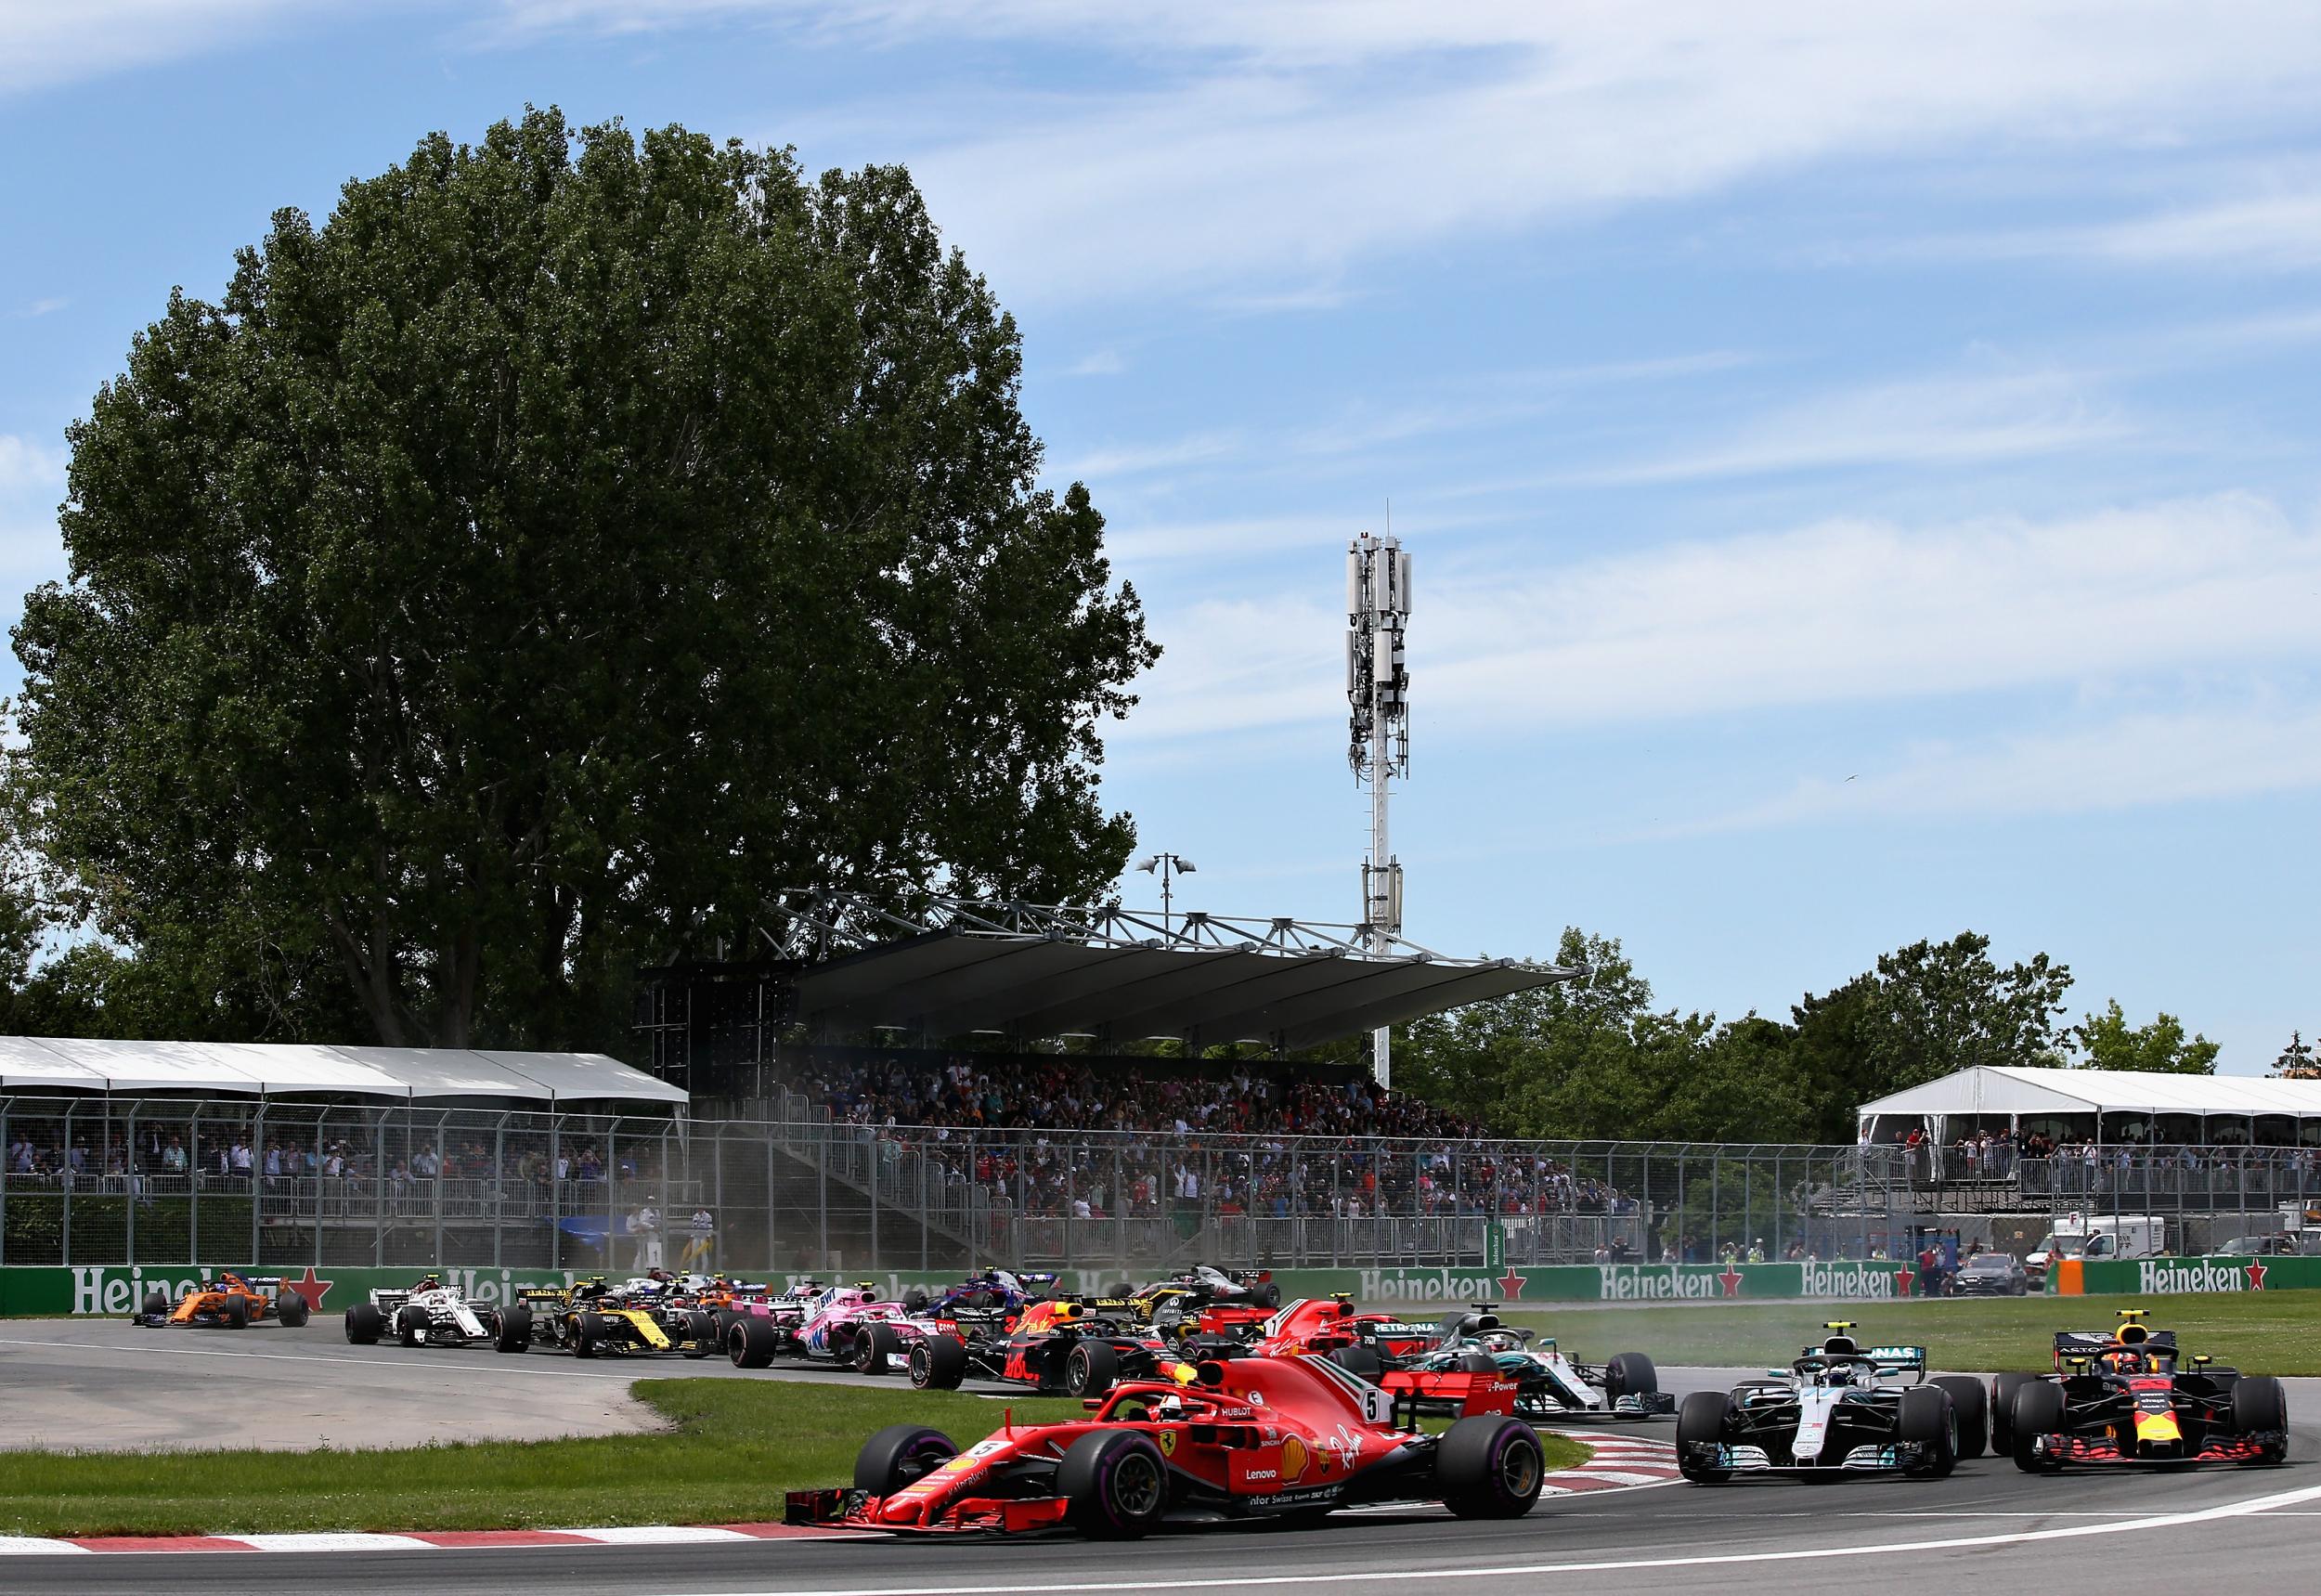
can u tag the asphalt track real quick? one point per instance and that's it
(1987, 1526)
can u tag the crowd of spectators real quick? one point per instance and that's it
(2040, 1162)
(1074, 1137)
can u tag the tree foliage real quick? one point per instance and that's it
(2296, 1061)
(2107, 1040)
(517, 574)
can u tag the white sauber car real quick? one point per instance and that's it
(427, 1314)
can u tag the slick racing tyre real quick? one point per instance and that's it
(237, 1313)
(1489, 1467)
(516, 1331)
(915, 1300)
(701, 1334)
(2260, 1404)
(1090, 1369)
(1265, 1296)
(590, 1333)
(1928, 1419)
(411, 1326)
(156, 1303)
(1121, 1291)
(1360, 1362)
(938, 1363)
(901, 1455)
(1971, 1404)
(2003, 1390)
(1631, 1374)
(750, 1342)
(1114, 1483)
(2038, 1411)
(365, 1325)
(876, 1347)
(291, 1310)
(1700, 1423)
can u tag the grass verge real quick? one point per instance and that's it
(2264, 1332)
(734, 1447)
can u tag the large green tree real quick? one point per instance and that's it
(2107, 1040)
(516, 576)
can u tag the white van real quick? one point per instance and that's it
(2103, 1236)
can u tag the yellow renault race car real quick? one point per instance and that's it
(592, 1319)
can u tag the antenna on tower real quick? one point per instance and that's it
(1378, 693)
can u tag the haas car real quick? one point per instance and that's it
(1247, 1437)
(1064, 1346)
(427, 1313)
(230, 1300)
(1838, 1409)
(2130, 1397)
(1202, 1298)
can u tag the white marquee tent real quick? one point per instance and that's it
(128, 1069)
(2108, 1104)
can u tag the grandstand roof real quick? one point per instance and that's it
(31, 1063)
(956, 966)
(2004, 1089)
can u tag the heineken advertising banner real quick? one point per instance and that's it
(118, 1291)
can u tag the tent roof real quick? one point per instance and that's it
(286, 1069)
(2005, 1089)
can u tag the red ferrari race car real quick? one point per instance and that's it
(1294, 1436)
(2128, 1399)
(1061, 1345)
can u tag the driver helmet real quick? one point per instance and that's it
(2124, 1362)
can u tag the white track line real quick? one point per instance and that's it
(512, 1365)
(1715, 1560)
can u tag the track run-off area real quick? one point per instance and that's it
(2121, 1531)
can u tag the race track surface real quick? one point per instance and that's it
(1987, 1526)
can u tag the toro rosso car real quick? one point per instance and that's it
(2127, 1398)
(1281, 1438)
(229, 1300)
(1838, 1409)
(984, 1291)
(1062, 1345)
(427, 1313)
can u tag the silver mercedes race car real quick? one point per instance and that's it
(1839, 1409)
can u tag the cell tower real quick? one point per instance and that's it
(1378, 689)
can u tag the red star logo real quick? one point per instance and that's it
(1510, 1284)
(1902, 1276)
(2256, 1276)
(1731, 1279)
(314, 1291)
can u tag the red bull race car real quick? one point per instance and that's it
(1291, 1438)
(2130, 1396)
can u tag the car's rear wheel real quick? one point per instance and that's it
(1700, 1423)
(701, 1334)
(938, 1363)
(914, 1300)
(1629, 1374)
(1360, 1362)
(1114, 1483)
(365, 1325)
(1489, 1467)
(1091, 1368)
(2038, 1411)
(749, 1342)
(291, 1310)
(1928, 1420)
(876, 1347)
(2003, 1390)
(901, 1455)
(1970, 1404)
(516, 1331)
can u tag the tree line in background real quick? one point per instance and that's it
(1595, 1058)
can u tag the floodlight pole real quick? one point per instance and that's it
(1377, 692)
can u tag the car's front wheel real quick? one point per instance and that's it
(1700, 1427)
(1489, 1467)
(1114, 1483)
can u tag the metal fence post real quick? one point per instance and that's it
(64, 1177)
(193, 1187)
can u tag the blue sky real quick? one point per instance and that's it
(1860, 460)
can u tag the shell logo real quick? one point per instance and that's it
(1294, 1461)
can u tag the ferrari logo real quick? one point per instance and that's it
(1167, 1443)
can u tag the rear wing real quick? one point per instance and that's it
(1896, 1359)
(2077, 1346)
(542, 1295)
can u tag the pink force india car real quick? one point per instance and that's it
(830, 1327)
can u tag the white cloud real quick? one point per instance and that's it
(1106, 362)
(46, 306)
(1136, 460)
(2277, 231)
(25, 465)
(2127, 763)
(1834, 613)
(44, 43)
(1925, 421)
